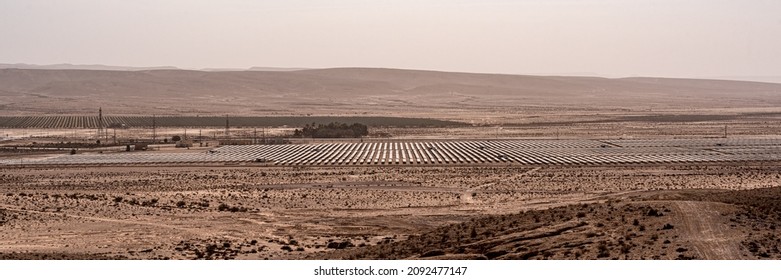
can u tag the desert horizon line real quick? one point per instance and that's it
(109, 67)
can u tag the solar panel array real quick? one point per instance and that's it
(527, 152)
(713, 142)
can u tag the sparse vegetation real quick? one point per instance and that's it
(578, 231)
(332, 130)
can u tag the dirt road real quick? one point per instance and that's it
(708, 230)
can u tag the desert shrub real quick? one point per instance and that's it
(654, 213)
(223, 207)
(226, 207)
(655, 237)
(211, 249)
(150, 202)
(625, 248)
(603, 251)
(339, 245)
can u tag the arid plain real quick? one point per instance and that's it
(492, 210)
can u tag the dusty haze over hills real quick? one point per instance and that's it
(349, 91)
(689, 39)
(68, 66)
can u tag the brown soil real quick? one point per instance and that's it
(645, 226)
(554, 212)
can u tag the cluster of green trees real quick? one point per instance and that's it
(332, 130)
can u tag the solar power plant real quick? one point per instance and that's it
(717, 142)
(524, 152)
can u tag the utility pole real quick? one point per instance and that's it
(105, 127)
(255, 136)
(227, 126)
(725, 131)
(100, 123)
(154, 129)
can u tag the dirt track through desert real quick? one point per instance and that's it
(705, 227)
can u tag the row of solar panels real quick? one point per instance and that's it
(532, 152)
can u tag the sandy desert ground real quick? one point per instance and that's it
(292, 213)
(494, 211)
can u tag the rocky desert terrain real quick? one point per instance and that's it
(650, 210)
(719, 211)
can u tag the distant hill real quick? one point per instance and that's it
(358, 91)
(766, 79)
(275, 69)
(272, 69)
(67, 66)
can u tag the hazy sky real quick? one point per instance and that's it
(675, 38)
